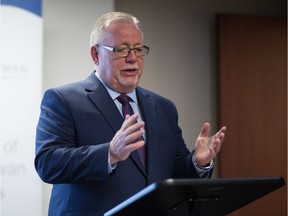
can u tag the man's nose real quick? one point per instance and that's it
(132, 57)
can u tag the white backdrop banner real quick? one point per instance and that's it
(21, 89)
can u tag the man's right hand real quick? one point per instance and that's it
(124, 142)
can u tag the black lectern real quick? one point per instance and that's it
(196, 197)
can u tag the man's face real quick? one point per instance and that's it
(122, 74)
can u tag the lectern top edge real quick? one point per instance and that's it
(231, 193)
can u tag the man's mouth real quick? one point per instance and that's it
(130, 70)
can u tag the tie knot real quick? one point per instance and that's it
(123, 99)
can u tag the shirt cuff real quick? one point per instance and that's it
(201, 168)
(111, 167)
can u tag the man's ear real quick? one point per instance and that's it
(94, 54)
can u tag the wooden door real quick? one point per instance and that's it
(253, 104)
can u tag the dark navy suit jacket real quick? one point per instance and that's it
(76, 124)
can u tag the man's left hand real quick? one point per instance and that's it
(206, 148)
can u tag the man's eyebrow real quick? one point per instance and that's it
(128, 45)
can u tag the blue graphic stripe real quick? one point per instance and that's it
(34, 6)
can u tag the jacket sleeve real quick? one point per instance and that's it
(59, 158)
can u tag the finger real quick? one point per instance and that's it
(127, 117)
(129, 120)
(205, 130)
(133, 137)
(134, 128)
(219, 137)
(135, 146)
(222, 137)
(221, 131)
(217, 146)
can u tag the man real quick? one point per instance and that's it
(88, 148)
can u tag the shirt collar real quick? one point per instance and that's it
(114, 94)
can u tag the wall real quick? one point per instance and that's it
(182, 36)
(182, 62)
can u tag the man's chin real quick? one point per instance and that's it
(129, 86)
(130, 82)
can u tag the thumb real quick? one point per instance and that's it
(205, 130)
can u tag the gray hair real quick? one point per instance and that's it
(98, 32)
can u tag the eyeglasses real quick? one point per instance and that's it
(124, 52)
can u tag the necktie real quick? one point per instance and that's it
(127, 110)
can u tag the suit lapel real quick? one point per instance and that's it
(104, 103)
(148, 107)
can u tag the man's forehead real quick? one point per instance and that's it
(123, 31)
